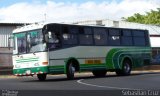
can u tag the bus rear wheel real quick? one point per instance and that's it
(70, 71)
(41, 77)
(126, 68)
(99, 73)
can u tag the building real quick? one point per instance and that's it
(5, 32)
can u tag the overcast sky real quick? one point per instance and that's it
(19, 11)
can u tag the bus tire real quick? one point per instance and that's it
(99, 73)
(41, 77)
(70, 71)
(126, 68)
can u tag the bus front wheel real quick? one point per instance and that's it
(99, 73)
(41, 77)
(126, 68)
(70, 71)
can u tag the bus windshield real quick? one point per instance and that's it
(29, 42)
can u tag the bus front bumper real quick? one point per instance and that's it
(30, 71)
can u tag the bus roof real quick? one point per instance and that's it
(29, 27)
(41, 25)
(93, 26)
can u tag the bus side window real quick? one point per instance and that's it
(126, 38)
(139, 38)
(114, 37)
(100, 36)
(53, 40)
(69, 35)
(86, 36)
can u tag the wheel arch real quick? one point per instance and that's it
(75, 63)
(126, 58)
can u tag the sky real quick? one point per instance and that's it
(30, 11)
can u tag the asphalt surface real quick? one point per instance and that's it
(136, 81)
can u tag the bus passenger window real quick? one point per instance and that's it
(100, 36)
(70, 39)
(53, 40)
(126, 38)
(114, 37)
(65, 36)
(85, 36)
(86, 39)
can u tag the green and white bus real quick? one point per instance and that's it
(53, 48)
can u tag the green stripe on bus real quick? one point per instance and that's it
(26, 60)
(109, 58)
(115, 56)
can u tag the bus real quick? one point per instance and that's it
(55, 48)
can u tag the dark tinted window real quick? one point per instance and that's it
(100, 36)
(85, 36)
(139, 41)
(65, 29)
(86, 39)
(138, 33)
(87, 30)
(70, 39)
(73, 30)
(114, 37)
(114, 40)
(114, 32)
(139, 38)
(126, 33)
(69, 35)
(126, 41)
(126, 38)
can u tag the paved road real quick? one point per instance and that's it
(147, 81)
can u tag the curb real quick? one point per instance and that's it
(7, 76)
(6, 72)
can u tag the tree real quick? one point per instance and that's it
(152, 17)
